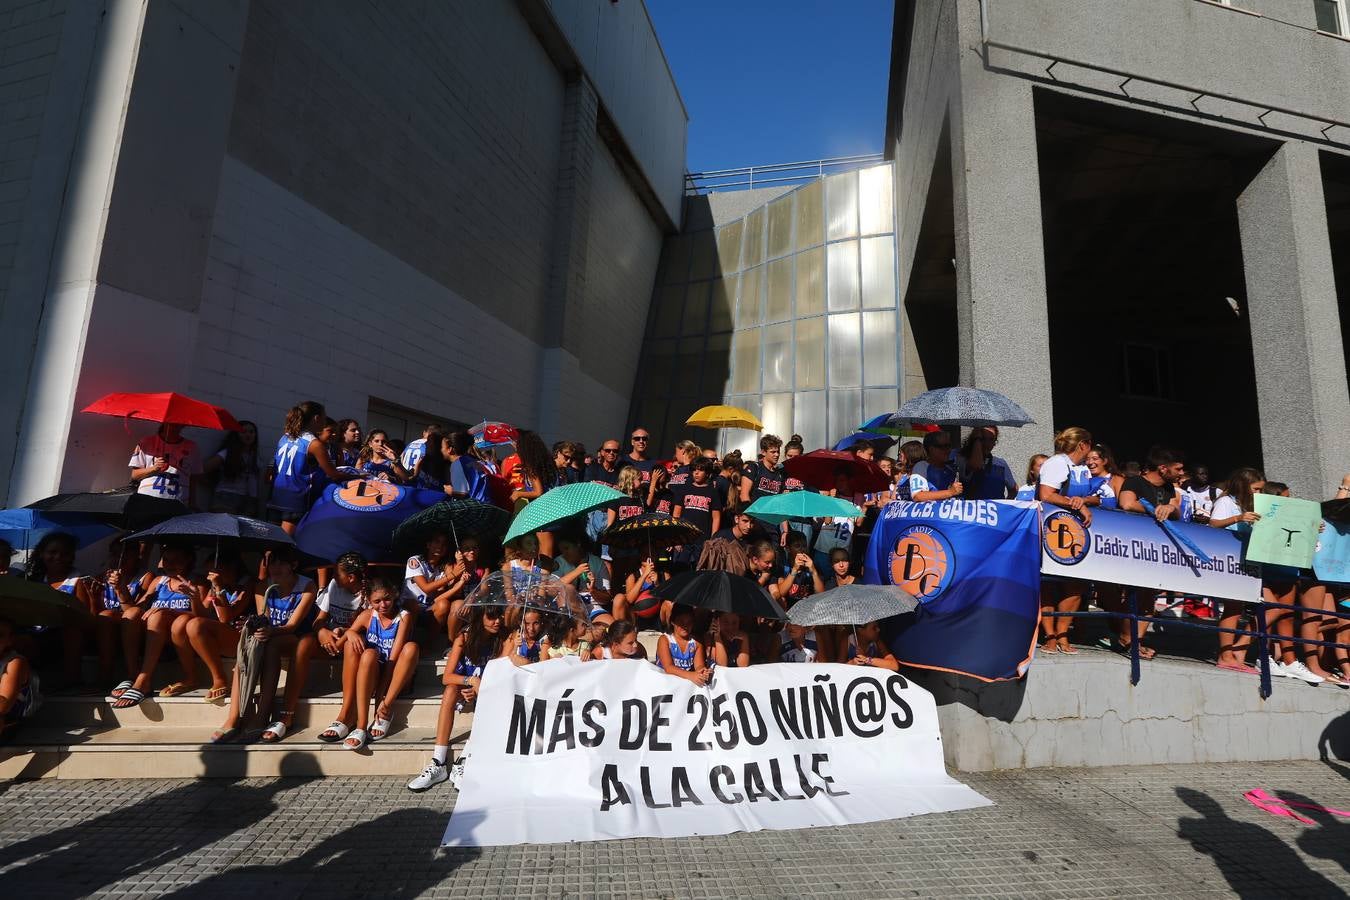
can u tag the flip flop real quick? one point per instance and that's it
(176, 689)
(338, 730)
(1067, 649)
(130, 697)
(277, 730)
(1048, 647)
(216, 694)
(356, 740)
(380, 729)
(224, 735)
(122, 688)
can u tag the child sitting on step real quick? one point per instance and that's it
(18, 684)
(379, 649)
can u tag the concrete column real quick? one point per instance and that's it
(558, 411)
(125, 281)
(1296, 335)
(1000, 257)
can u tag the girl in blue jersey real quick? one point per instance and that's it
(380, 649)
(300, 463)
(378, 459)
(286, 599)
(215, 634)
(525, 644)
(477, 644)
(1104, 476)
(53, 563)
(678, 653)
(18, 684)
(345, 448)
(114, 607)
(1028, 489)
(1063, 483)
(170, 600)
(865, 648)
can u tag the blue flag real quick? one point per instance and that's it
(359, 515)
(975, 568)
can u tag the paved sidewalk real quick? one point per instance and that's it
(1147, 831)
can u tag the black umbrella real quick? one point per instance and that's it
(651, 530)
(218, 529)
(457, 517)
(720, 592)
(32, 603)
(122, 508)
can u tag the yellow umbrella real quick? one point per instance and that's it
(724, 417)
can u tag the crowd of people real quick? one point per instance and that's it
(235, 625)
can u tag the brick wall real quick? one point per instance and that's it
(431, 129)
(297, 306)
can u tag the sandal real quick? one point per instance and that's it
(122, 688)
(275, 732)
(356, 740)
(224, 735)
(130, 697)
(334, 733)
(1144, 652)
(216, 694)
(176, 689)
(1050, 646)
(382, 723)
(1066, 648)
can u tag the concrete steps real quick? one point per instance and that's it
(181, 752)
(84, 736)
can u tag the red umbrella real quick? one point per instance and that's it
(818, 469)
(170, 407)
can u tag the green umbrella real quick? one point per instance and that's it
(32, 603)
(559, 504)
(801, 505)
(458, 517)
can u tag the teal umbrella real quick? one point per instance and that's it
(801, 505)
(559, 504)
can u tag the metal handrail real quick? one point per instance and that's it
(1261, 633)
(775, 173)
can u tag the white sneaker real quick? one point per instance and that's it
(431, 776)
(1276, 667)
(457, 775)
(1297, 669)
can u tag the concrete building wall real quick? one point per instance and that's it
(270, 201)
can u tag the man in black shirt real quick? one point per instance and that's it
(763, 478)
(742, 529)
(605, 469)
(1157, 485)
(637, 457)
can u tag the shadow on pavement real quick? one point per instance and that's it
(171, 825)
(395, 855)
(1330, 840)
(1254, 860)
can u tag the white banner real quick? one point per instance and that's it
(571, 751)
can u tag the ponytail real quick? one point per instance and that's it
(301, 415)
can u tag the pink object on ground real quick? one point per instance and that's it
(1277, 807)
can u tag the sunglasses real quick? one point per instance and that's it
(609, 449)
(640, 438)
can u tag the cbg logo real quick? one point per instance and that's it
(1065, 538)
(922, 563)
(367, 496)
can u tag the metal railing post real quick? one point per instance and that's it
(1134, 636)
(1263, 650)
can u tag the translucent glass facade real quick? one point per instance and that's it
(790, 312)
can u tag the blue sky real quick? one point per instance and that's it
(778, 82)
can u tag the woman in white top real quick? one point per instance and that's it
(1233, 510)
(1063, 483)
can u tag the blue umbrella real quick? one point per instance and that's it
(24, 528)
(220, 529)
(881, 442)
(966, 406)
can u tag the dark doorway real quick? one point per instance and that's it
(933, 358)
(1149, 339)
(1336, 186)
